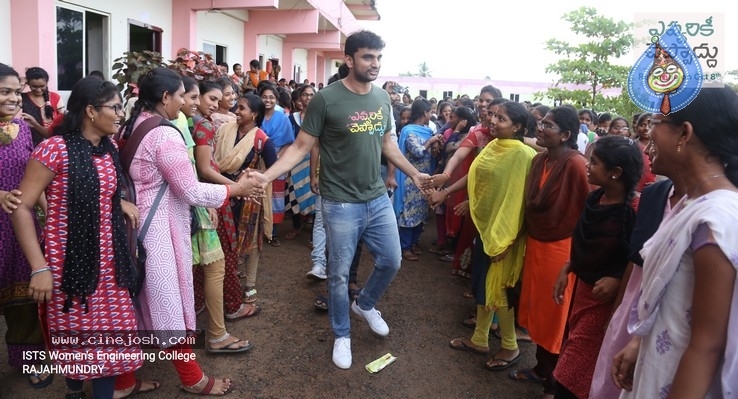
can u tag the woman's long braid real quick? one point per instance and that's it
(48, 110)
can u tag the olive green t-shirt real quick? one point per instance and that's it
(350, 128)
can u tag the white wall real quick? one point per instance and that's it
(6, 49)
(300, 57)
(271, 47)
(224, 30)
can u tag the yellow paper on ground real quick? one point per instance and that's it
(379, 364)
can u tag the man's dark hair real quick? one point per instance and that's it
(255, 64)
(362, 39)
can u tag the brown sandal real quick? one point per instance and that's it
(408, 255)
(208, 388)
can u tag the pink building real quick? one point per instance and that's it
(443, 87)
(70, 38)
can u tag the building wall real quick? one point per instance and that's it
(222, 29)
(270, 46)
(6, 49)
(300, 57)
(157, 13)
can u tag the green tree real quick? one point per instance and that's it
(589, 64)
(423, 70)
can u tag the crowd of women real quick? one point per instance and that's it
(609, 248)
(626, 285)
(197, 211)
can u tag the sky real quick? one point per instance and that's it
(506, 39)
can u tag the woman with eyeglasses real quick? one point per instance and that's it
(300, 198)
(686, 319)
(279, 129)
(555, 193)
(84, 279)
(40, 105)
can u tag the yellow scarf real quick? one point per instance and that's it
(497, 202)
(230, 157)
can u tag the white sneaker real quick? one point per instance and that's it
(317, 273)
(342, 352)
(373, 317)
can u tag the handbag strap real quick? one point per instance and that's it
(150, 216)
(134, 140)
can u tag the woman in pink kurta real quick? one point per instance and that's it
(167, 298)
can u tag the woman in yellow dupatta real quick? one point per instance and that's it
(241, 145)
(496, 185)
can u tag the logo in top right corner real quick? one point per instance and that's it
(667, 76)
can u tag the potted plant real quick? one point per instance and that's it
(196, 64)
(132, 65)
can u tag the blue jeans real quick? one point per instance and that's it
(318, 254)
(410, 236)
(345, 224)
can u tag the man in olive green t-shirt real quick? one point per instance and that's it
(351, 118)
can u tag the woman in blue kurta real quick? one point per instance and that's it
(416, 141)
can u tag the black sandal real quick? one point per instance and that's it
(321, 303)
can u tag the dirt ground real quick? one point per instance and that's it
(291, 357)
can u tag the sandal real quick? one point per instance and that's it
(208, 388)
(461, 344)
(275, 242)
(137, 389)
(527, 375)
(241, 274)
(408, 255)
(292, 234)
(502, 364)
(321, 303)
(416, 250)
(42, 379)
(76, 395)
(250, 295)
(252, 311)
(230, 348)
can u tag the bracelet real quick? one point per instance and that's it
(446, 174)
(446, 190)
(40, 270)
(243, 190)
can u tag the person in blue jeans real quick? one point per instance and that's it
(351, 118)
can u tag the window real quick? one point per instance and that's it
(424, 94)
(515, 97)
(448, 94)
(143, 37)
(297, 74)
(81, 44)
(220, 53)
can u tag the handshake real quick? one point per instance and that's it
(252, 184)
